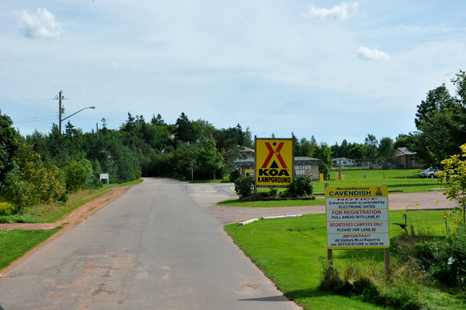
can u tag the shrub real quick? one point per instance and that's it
(243, 186)
(450, 258)
(7, 208)
(234, 175)
(30, 183)
(76, 176)
(301, 186)
(368, 283)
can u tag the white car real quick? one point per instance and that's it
(429, 173)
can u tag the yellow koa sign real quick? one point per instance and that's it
(274, 162)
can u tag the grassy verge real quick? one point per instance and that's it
(50, 213)
(292, 252)
(15, 243)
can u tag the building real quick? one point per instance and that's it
(344, 162)
(302, 165)
(405, 158)
(247, 151)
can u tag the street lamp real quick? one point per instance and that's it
(61, 120)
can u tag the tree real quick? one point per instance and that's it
(453, 178)
(336, 150)
(324, 153)
(356, 150)
(157, 120)
(344, 148)
(440, 123)
(8, 146)
(130, 123)
(403, 140)
(385, 148)
(438, 100)
(30, 182)
(184, 129)
(247, 138)
(371, 146)
(306, 148)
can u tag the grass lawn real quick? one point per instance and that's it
(291, 252)
(15, 243)
(271, 204)
(407, 180)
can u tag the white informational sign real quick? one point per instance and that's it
(104, 176)
(357, 217)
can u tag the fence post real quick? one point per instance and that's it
(386, 255)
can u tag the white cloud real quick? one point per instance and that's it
(40, 26)
(343, 11)
(113, 63)
(365, 53)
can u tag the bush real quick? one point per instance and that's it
(30, 183)
(368, 283)
(325, 170)
(448, 265)
(7, 208)
(76, 176)
(301, 186)
(243, 186)
(234, 175)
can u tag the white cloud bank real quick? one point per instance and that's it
(365, 53)
(343, 11)
(40, 26)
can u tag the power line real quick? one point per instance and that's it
(26, 99)
(28, 68)
(37, 120)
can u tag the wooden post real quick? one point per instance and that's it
(386, 253)
(326, 185)
(330, 257)
(412, 231)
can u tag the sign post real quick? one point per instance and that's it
(357, 218)
(274, 162)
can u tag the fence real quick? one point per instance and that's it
(379, 163)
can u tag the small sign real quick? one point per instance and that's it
(104, 176)
(357, 217)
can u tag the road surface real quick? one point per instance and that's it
(153, 248)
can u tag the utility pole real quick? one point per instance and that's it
(60, 110)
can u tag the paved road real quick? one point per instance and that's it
(153, 248)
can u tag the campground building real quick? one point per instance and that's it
(302, 165)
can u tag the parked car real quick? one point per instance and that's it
(429, 173)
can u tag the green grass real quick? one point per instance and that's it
(291, 253)
(15, 243)
(407, 180)
(272, 203)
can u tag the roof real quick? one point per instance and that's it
(342, 158)
(297, 161)
(404, 151)
(246, 150)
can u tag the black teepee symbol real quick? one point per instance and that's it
(274, 165)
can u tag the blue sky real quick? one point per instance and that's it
(335, 70)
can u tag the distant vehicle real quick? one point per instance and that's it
(429, 173)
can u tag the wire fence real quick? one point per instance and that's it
(377, 163)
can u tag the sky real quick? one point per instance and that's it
(329, 69)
